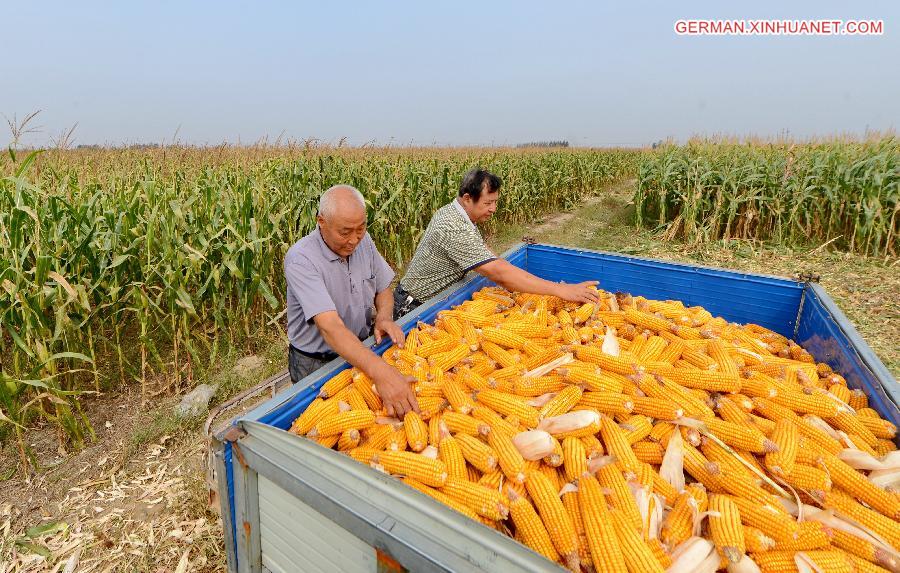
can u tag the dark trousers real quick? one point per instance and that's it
(300, 366)
(404, 303)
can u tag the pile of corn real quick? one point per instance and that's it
(631, 435)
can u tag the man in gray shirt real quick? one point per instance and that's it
(335, 276)
(452, 246)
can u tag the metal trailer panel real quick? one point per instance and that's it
(773, 302)
(296, 537)
(380, 511)
(739, 297)
(831, 338)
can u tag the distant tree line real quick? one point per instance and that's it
(544, 144)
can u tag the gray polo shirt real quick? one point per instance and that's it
(318, 280)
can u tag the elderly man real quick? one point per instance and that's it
(335, 276)
(452, 246)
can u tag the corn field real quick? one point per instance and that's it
(119, 265)
(840, 191)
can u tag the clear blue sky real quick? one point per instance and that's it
(438, 73)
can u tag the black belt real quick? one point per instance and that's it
(326, 356)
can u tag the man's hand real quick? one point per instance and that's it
(387, 327)
(396, 393)
(580, 292)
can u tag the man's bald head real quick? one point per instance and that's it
(342, 218)
(342, 200)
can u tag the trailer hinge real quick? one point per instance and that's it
(529, 240)
(233, 434)
(807, 277)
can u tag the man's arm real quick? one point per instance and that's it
(384, 319)
(515, 279)
(393, 387)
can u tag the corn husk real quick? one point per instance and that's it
(690, 555)
(534, 444)
(569, 422)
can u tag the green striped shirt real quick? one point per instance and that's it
(451, 247)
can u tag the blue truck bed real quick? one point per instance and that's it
(801, 311)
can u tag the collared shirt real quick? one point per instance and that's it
(462, 211)
(319, 280)
(450, 247)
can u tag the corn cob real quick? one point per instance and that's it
(564, 401)
(855, 483)
(605, 550)
(863, 549)
(638, 555)
(569, 496)
(606, 402)
(485, 502)
(773, 521)
(451, 454)
(477, 453)
(530, 527)
(316, 410)
(810, 535)
(426, 470)
(557, 521)
(457, 397)
(616, 442)
(757, 541)
(510, 460)
(656, 408)
(494, 421)
(574, 458)
(338, 423)
(610, 477)
(441, 497)
(678, 525)
(462, 424)
(846, 505)
(725, 528)
(648, 452)
(537, 385)
(508, 405)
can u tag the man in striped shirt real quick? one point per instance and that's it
(453, 246)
